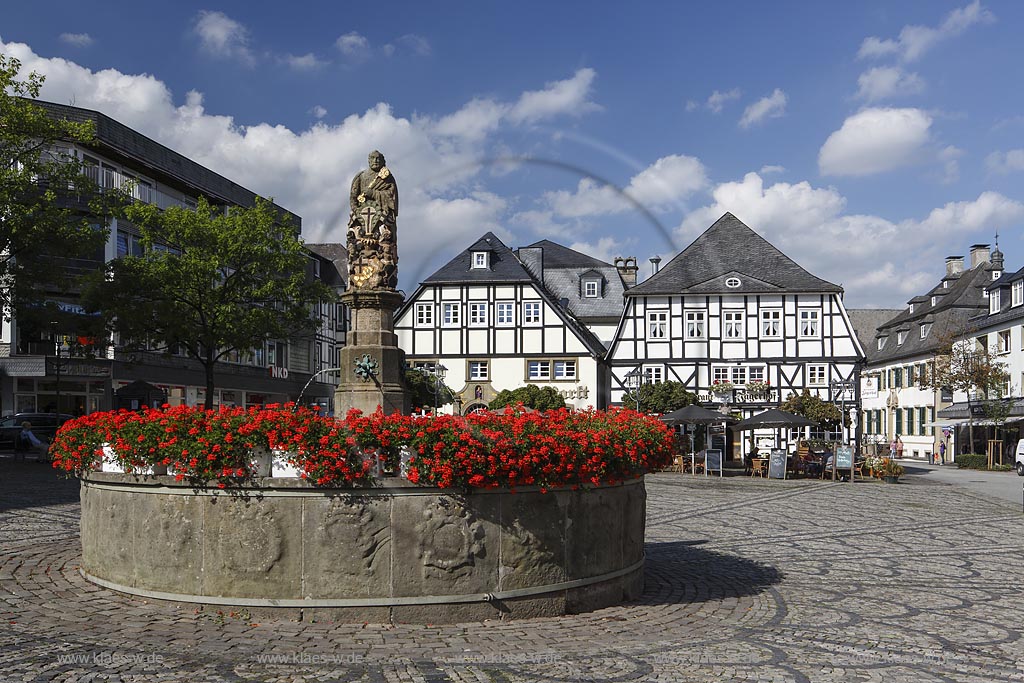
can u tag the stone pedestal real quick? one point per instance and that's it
(372, 333)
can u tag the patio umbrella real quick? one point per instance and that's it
(775, 418)
(695, 415)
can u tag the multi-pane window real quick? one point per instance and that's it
(1003, 341)
(479, 259)
(657, 324)
(815, 374)
(531, 312)
(898, 415)
(922, 415)
(695, 324)
(654, 374)
(424, 315)
(925, 329)
(538, 369)
(452, 315)
(733, 324)
(993, 301)
(478, 313)
(901, 337)
(720, 374)
(910, 421)
(911, 372)
(810, 323)
(881, 343)
(565, 369)
(756, 374)
(897, 378)
(505, 313)
(739, 375)
(771, 323)
(478, 369)
(1017, 293)
(591, 289)
(128, 244)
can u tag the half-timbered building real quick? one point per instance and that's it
(732, 310)
(488, 319)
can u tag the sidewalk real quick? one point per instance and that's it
(1003, 486)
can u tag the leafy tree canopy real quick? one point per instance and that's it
(814, 408)
(426, 390)
(531, 396)
(663, 397)
(50, 213)
(209, 282)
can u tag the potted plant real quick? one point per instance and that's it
(889, 470)
(722, 387)
(757, 388)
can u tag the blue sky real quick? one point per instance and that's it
(866, 140)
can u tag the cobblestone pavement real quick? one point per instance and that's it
(747, 580)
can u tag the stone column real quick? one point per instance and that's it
(373, 334)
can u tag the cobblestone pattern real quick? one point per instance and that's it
(746, 581)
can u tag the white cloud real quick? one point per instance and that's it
(915, 41)
(353, 45)
(807, 224)
(770, 107)
(718, 100)
(309, 171)
(418, 45)
(77, 39)
(875, 140)
(318, 111)
(881, 83)
(605, 249)
(1005, 162)
(571, 96)
(222, 36)
(692, 105)
(305, 62)
(769, 169)
(661, 185)
(949, 159)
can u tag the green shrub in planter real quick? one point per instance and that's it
(972, 461)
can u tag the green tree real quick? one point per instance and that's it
(664, 397)
(426, 389)
(50, 212)
(209, 282)
(814, 408)
(531, 396)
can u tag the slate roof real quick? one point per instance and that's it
(960, 302)
(337, 254)
(730, 248)
(866, 322)
(563, 270)
(1007, 312)
(505, 267)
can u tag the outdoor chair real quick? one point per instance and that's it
(758, 467)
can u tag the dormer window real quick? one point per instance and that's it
(591, 289)
(993, 301)
(945, 284)
(732, 283)
(925, 329)
(481, 260)
(881, 343)
(901, 337)
(1017, 293)
(911, 308)
(935, 300)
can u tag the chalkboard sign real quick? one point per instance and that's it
(844, 457)
(712, 461)
(777, 464)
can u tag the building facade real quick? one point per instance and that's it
(732, 310)
(64, 365)
(496, 319)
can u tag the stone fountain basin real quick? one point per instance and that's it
(395, 553)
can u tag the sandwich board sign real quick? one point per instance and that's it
(777, 464)
(713, 461)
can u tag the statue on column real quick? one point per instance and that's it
(372, 227)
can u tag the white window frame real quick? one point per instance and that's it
(505, 313)
(480, 260)
(478, 370)
(739, 374)
(538, 370)
(452, 314)
(771, 323)
(657, 324)
(993, 301)
(732, 324)
(424, 315)
(816, 374)
(810, 323)
(756, 373)
(591, 289)
(881, 343)
(1003, 341)
(478, 313)
(925, 329)
(654, 374)
(531, 313)
(696, 324)
(901, 337)
(564, 370)
(1017, 293)
(719, 373)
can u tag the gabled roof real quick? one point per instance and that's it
(504, 266)
(563, 271)
(557, 256)
(730, 247)
(866, 322)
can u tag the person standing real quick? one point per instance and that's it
(899, 447)
(892, 447)
(30, 442)
(942, 452)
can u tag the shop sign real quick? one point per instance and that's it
(278, 373)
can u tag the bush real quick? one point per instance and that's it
(483, 450)
(972, 461)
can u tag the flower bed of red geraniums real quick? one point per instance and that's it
(483, 450)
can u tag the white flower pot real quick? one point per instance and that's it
(110, 463)
(280, 467)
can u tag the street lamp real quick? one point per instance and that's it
(439, 374)
(632, 381)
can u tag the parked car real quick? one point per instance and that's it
(1020, 457)
(44, 426)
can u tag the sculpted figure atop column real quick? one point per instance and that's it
(372, 227)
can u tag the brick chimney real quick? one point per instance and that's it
(979, 254)
(954, 266)
(627, 269)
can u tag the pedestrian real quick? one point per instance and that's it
(899, 447)
(942, 452)
(30, 442)
(892, 447)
